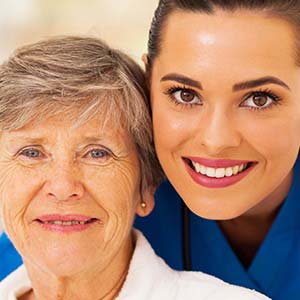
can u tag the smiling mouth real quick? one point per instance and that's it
(218, 172)
(67, 223)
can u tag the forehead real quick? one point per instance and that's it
(63, 126)
(227, 41)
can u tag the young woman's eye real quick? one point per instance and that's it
(184, 96)
(260, 100)
(31, 153)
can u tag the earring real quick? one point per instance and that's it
(143, 205)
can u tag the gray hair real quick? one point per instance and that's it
(82, 75)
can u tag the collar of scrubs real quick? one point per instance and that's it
(271, 261)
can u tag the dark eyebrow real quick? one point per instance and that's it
(258, 82)
(182, 79)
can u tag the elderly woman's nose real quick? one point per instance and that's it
(63, 183)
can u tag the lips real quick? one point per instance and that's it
(217, 173)
(66, 223)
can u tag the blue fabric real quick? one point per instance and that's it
(9, 257)
(275, 271)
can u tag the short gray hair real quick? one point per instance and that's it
(62, 73)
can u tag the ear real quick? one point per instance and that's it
(145, 60)
(146, 203)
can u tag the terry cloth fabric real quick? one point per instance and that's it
(149, 278)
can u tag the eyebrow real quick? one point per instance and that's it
(27, 139)
(259, 82)
(182, 79)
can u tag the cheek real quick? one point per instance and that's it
(115, 190)
(18, 186)
(172, 129)
(275, 139)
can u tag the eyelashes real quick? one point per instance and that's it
(262, 99)
(181, 95)
(35, 153)
(186, 97)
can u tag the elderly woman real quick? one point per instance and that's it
(76, 165)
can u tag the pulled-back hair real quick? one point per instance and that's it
(81, 77)
(286, 9)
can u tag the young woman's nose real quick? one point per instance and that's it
(63, 183)
(219, 132)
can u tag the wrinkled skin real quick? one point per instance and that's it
(54, 168)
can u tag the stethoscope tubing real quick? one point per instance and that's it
(186, 238)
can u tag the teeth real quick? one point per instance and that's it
(202, 170)
(66, 223)
(211, 172)
(198, 168)
(235, 170)
(229, 172)
(219, 172)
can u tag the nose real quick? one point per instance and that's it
(219, 132)
(63, 183)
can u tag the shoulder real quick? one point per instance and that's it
(15, 284)
(209, 287)
(149, 277)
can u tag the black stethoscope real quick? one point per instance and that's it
(186, 238)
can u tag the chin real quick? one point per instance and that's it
(60, 259)
(209, 210)
(63, 266)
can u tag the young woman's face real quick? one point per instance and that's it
(226, 110)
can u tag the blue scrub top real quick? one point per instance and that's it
(275, 271)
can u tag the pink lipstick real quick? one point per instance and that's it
(217, 173)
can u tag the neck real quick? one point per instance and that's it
(246, 233)
(97, 283)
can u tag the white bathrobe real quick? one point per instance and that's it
(149, 278)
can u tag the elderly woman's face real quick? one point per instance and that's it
(226, 109)
(69, 193)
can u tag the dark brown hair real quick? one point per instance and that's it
(286, 9)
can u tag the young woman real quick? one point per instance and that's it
(225, 96)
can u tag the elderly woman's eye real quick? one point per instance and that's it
(261, 100)
(98, 153)
(31, 153)
(184, 96)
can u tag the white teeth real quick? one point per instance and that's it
(229, 172)
(211, 172)
(57, 222)
(202, 170)
(197, 167)
(65, 223)
(218, 172)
